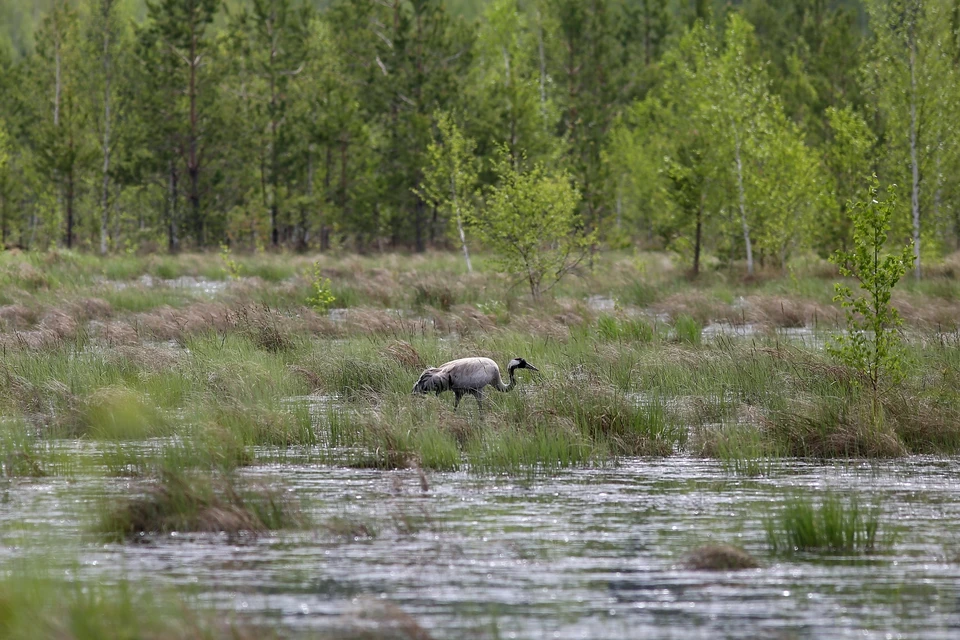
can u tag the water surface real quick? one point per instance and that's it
(590, 553)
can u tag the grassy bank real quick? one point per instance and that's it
(130, 348)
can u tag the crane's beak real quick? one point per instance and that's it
(531, 367)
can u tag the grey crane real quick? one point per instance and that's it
(468, 375)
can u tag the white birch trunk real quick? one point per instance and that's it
(543, 69)
(743, 209)
(463, 236)
(914, 165)
(105, 217)
(56, 81)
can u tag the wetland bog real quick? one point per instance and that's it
(259, 464)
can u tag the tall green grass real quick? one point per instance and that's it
(835, 525)
(38, 603)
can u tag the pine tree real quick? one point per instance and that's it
(180, 31)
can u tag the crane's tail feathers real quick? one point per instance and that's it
(431, 379)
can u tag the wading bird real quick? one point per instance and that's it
(468, 375)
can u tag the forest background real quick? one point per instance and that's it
(726, 132)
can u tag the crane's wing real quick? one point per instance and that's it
(432, 379)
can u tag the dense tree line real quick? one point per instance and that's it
(739, 130)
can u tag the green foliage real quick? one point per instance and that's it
(833, 526)
(229, 263)
(529, 220)
(728, 134)
(848, 161)
(612, 328)
(872, 345)
(450, 176)
(687, 329)
(322, 297)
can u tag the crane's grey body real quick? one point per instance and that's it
(468, 375)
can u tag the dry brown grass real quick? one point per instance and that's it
(924, 424)
(927, 312)
(167, 323)
(720, 557)
(404, 353)
(266, 328)
(36, 340)
(114, 333)
(147, 358)
(62, 324)
(371, 321)
(90, 308)
(701, 307)
(786, 311)
(16, 316)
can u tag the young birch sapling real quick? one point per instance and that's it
(872, 344)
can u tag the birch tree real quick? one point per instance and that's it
(450, 177)
(911, 77)
(506, 83)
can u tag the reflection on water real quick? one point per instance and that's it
(580, 554)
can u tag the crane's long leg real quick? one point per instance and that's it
(479, 396)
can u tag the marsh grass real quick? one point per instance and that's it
(225, 376)
(612, 328)
(37, 603)
(20, 453)
(200, 502)
(687, 329)
(741, 449)
(835, 525)
(720, 557)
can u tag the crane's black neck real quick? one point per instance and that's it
(513, 380)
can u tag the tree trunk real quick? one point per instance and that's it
(418, 225)
(454, 197)
(3, 220)
(324, 227)
(543, 69)
(173, 242)
(69, 199)
(305, 209)
(914, 164)
(699, 235)
(193, 152)
(105, 200)
(57, 89)
(743, 209)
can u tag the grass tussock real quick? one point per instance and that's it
(720, 557)
(202, 503)
(835, 525)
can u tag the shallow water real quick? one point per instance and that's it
(591, 553)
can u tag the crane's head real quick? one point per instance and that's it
(520, 363)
